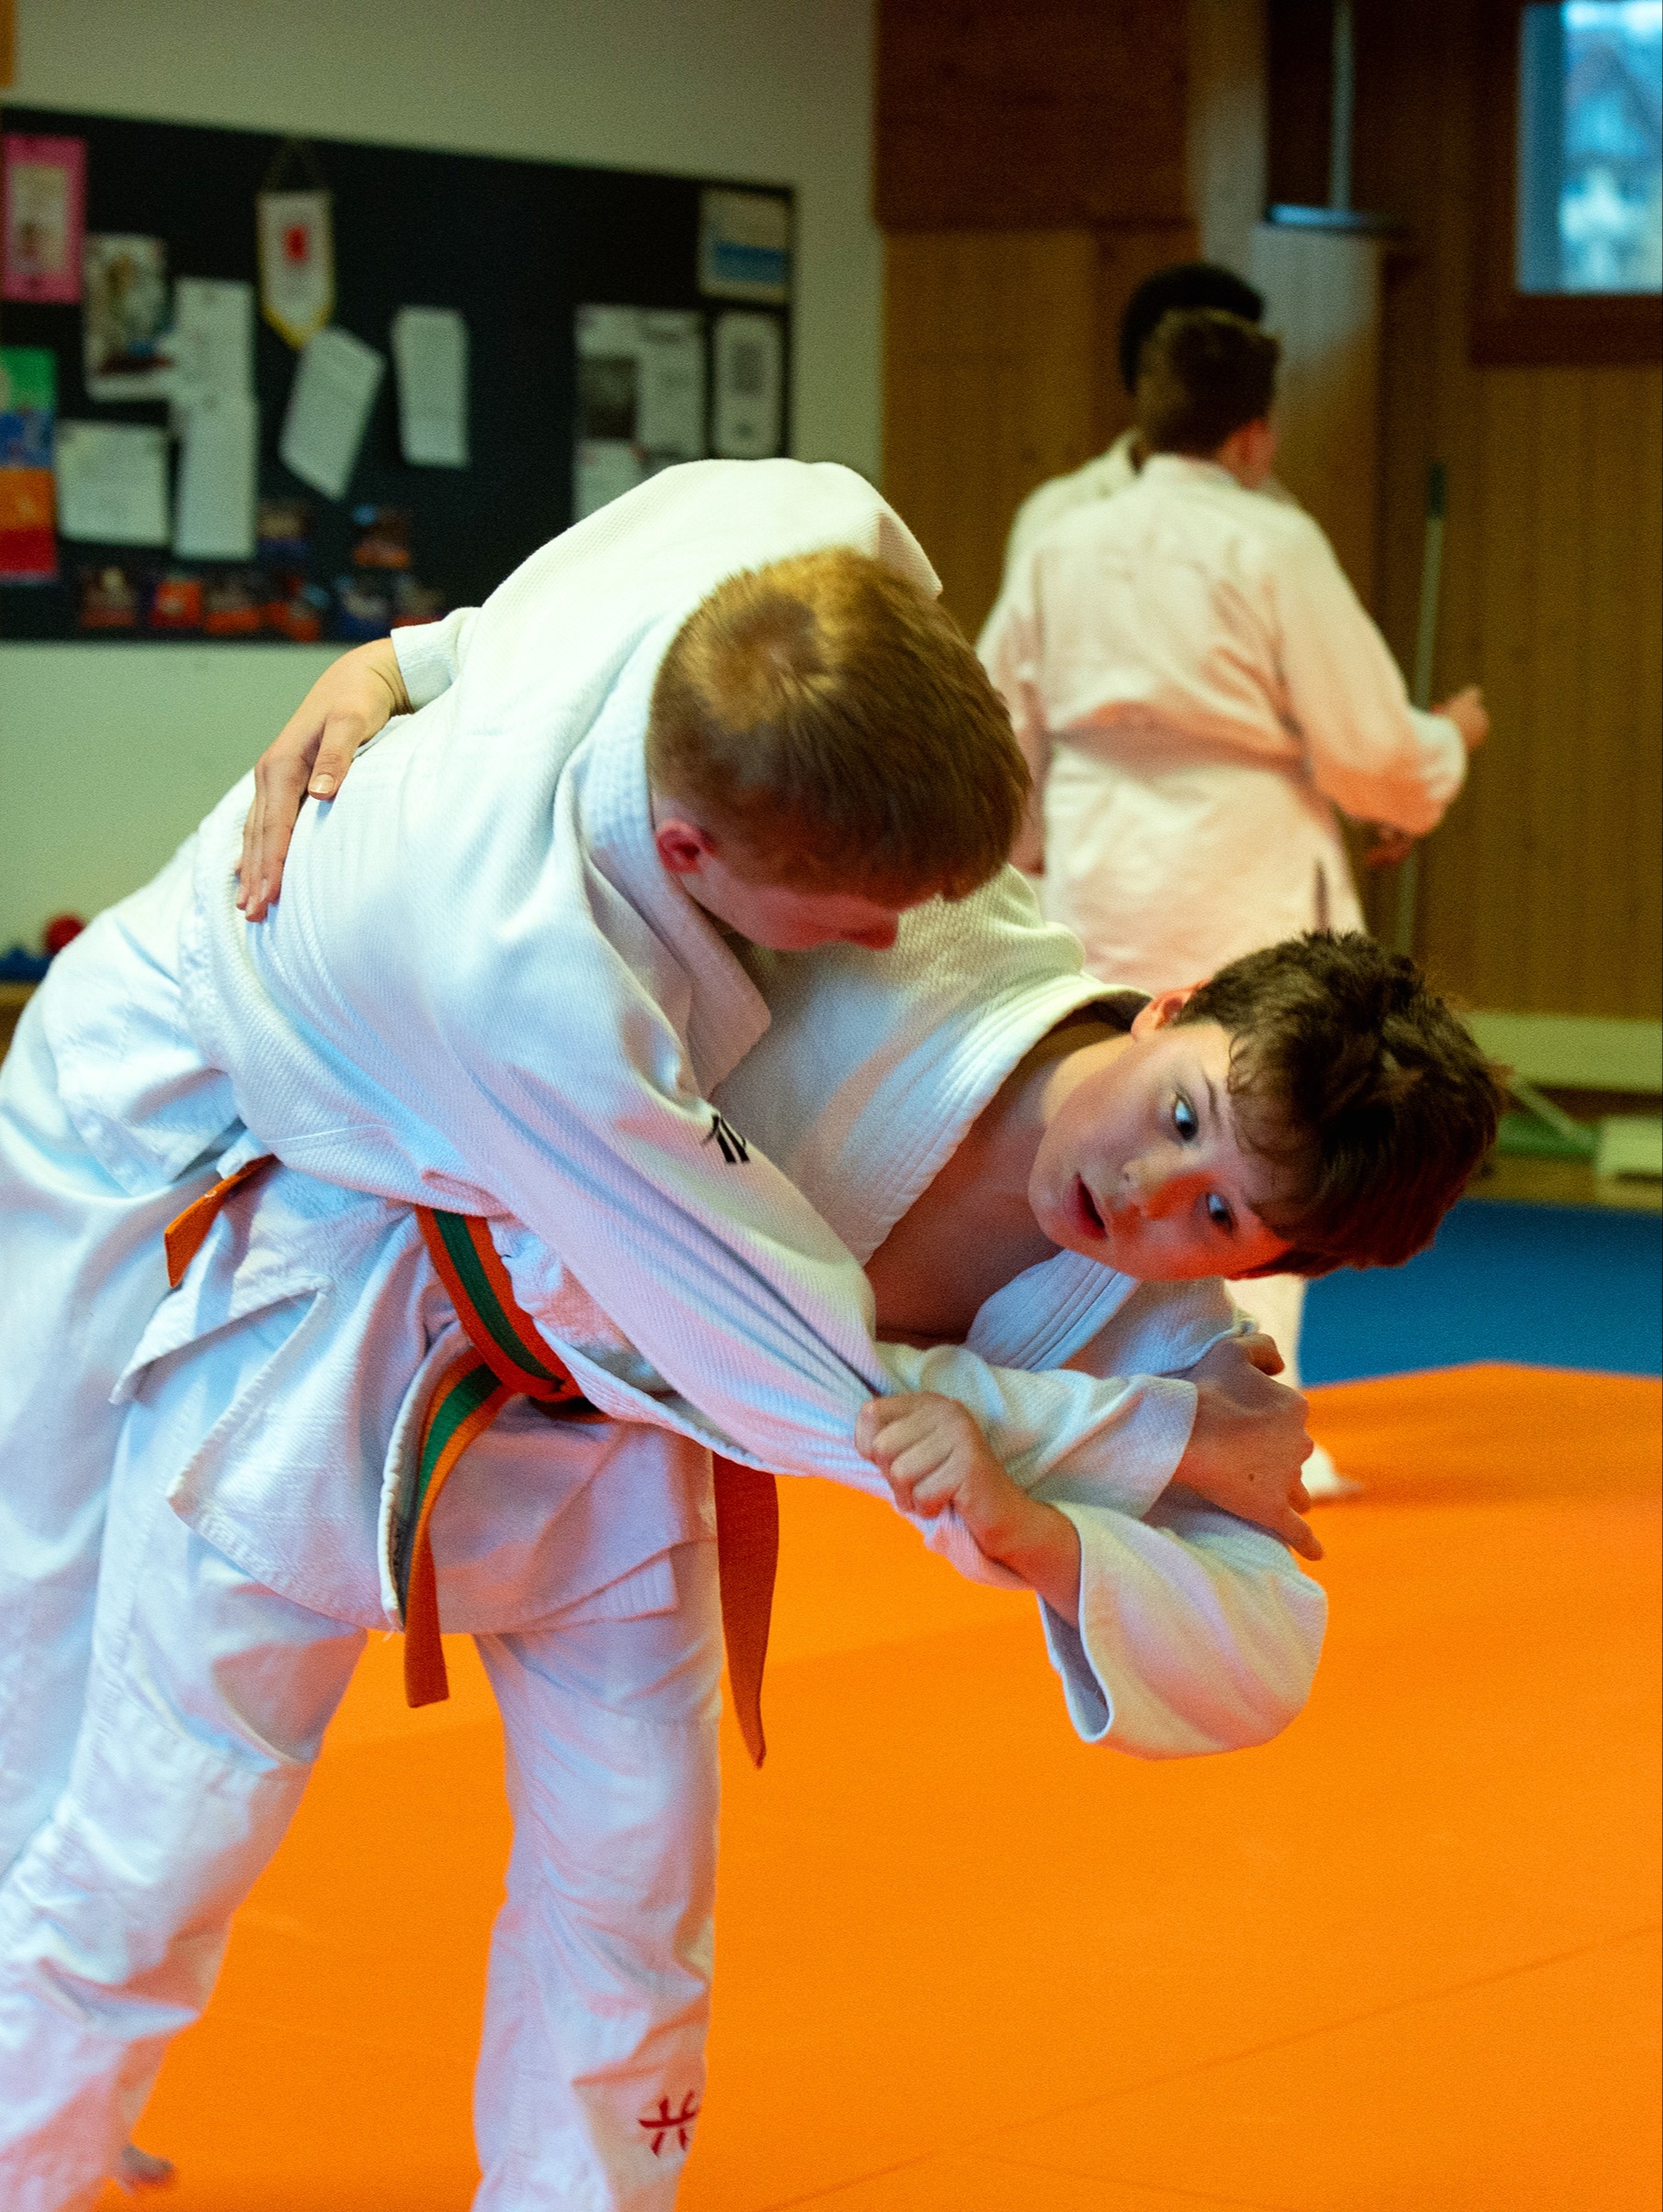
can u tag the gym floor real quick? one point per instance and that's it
(1402, 1959)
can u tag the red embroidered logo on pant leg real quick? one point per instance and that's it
(664, 2123)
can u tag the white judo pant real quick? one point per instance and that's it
(207, 1699)
(82, 1272)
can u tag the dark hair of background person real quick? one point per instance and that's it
(1205, 375)
(1186, 284)
(1362, 1086)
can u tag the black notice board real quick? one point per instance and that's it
(515, 246)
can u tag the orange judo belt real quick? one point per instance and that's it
(507, 1358)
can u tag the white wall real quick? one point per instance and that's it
(109, 753)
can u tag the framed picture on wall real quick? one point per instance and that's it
(1570, 264)
(1570, 224)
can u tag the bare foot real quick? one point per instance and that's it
(137, 2170)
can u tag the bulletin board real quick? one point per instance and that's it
(531, 255)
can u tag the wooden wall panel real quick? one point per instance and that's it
(1227, 131)
(1030, 113)
(990, 386)
(1543, 892)
(999, 371)
(1322, 299)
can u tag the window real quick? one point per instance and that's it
(1590, 148)
(1571, 264)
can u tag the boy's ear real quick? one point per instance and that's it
(682, 845)
(1162, 1010)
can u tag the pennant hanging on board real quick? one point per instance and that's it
(296, 246)
(296, 264)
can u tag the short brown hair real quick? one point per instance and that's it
(1204, 374)
(833, 721)
(1361, 1085)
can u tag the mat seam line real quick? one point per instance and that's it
(1506, 1974)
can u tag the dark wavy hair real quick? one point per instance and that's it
(1188, 284)
(1362, 1086)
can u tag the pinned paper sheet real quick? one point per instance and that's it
(749, 352)
(127, 347)
(213, 340)
(112, 480)
(45, 198)
(218, 466)
(430, 354)
(745, 246)
(640, 398)
(335, 385)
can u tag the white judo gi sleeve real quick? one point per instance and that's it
(1197, 1632)
(1376, 756)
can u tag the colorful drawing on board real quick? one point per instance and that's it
(28, 543)
(45, 201)
(125, 318)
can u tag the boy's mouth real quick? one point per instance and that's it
(1087, 1219)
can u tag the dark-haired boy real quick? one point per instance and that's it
(1311, 1104)
(1198, 690)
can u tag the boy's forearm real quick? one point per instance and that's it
(1041, 1545)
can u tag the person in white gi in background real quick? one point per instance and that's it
(1186, 284)
(1198, 690)
(886, 1090)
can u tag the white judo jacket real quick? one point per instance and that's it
(1198, 687)
(482, 990)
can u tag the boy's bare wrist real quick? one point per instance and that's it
(1040, 1543)
(382, 657)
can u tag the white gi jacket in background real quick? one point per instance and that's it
(1100, 477)
(1198, 687)
(481, 989)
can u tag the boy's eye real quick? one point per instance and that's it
(1185, 1120)
(1219, 1214)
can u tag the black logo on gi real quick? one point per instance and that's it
(734, 1149)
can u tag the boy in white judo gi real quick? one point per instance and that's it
(953, 1124)
(1198, 690)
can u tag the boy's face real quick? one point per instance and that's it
(1141, 1167)
(781, 916)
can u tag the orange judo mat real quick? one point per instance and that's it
(1403, 1959)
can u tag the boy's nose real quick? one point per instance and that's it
(1158, 1183)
